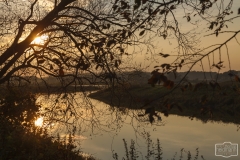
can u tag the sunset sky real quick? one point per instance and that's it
(147, 59)
(167, 46)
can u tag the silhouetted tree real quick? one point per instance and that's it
(93, 36)
(88, 40)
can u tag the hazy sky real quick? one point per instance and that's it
(143, 57)
(167, 46)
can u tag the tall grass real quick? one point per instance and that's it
(154, 152)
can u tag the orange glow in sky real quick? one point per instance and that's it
(39, 122)
(40, 40)
(229, 54)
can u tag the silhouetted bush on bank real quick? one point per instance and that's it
(20, 139)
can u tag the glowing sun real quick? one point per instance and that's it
(39, 122)
(40, 40)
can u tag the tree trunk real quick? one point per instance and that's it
(17, 49)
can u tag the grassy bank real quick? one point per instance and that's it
(219, 104)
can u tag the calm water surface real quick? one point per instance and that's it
(101, 131)
(178, 133)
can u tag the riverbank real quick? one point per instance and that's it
(206, 104)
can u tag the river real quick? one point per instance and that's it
(101, 130)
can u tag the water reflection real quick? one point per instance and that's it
(84, 114)
(101, 128)
(178, 133)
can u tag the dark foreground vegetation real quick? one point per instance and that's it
(20, 139)
(154, 151)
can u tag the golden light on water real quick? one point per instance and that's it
(39, 122)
